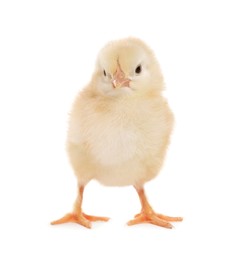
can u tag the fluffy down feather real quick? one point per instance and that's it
(120, 136)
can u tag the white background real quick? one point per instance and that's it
(47, 54)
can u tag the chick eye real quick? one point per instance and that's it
(104, 73)
(138, 69)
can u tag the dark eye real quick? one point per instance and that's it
(138, 69)
(104, 73)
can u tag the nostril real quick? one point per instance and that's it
(114, 83)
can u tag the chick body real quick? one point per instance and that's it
(118, 141)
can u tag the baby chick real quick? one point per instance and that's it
(120, 127)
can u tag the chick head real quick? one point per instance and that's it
(127, 67)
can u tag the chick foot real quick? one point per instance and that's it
(153, 218)
(77, 216)
(81, 219)
(147, 214)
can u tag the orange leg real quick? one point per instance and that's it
(147, 215)
(77, 216)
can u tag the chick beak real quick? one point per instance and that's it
(119, 79)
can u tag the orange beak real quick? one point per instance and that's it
(119, 79)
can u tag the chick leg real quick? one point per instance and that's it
(147, 215)
(77, 216)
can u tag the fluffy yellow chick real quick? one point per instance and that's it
(119, 128)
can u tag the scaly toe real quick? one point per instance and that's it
(95, 218)
(171, 219)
